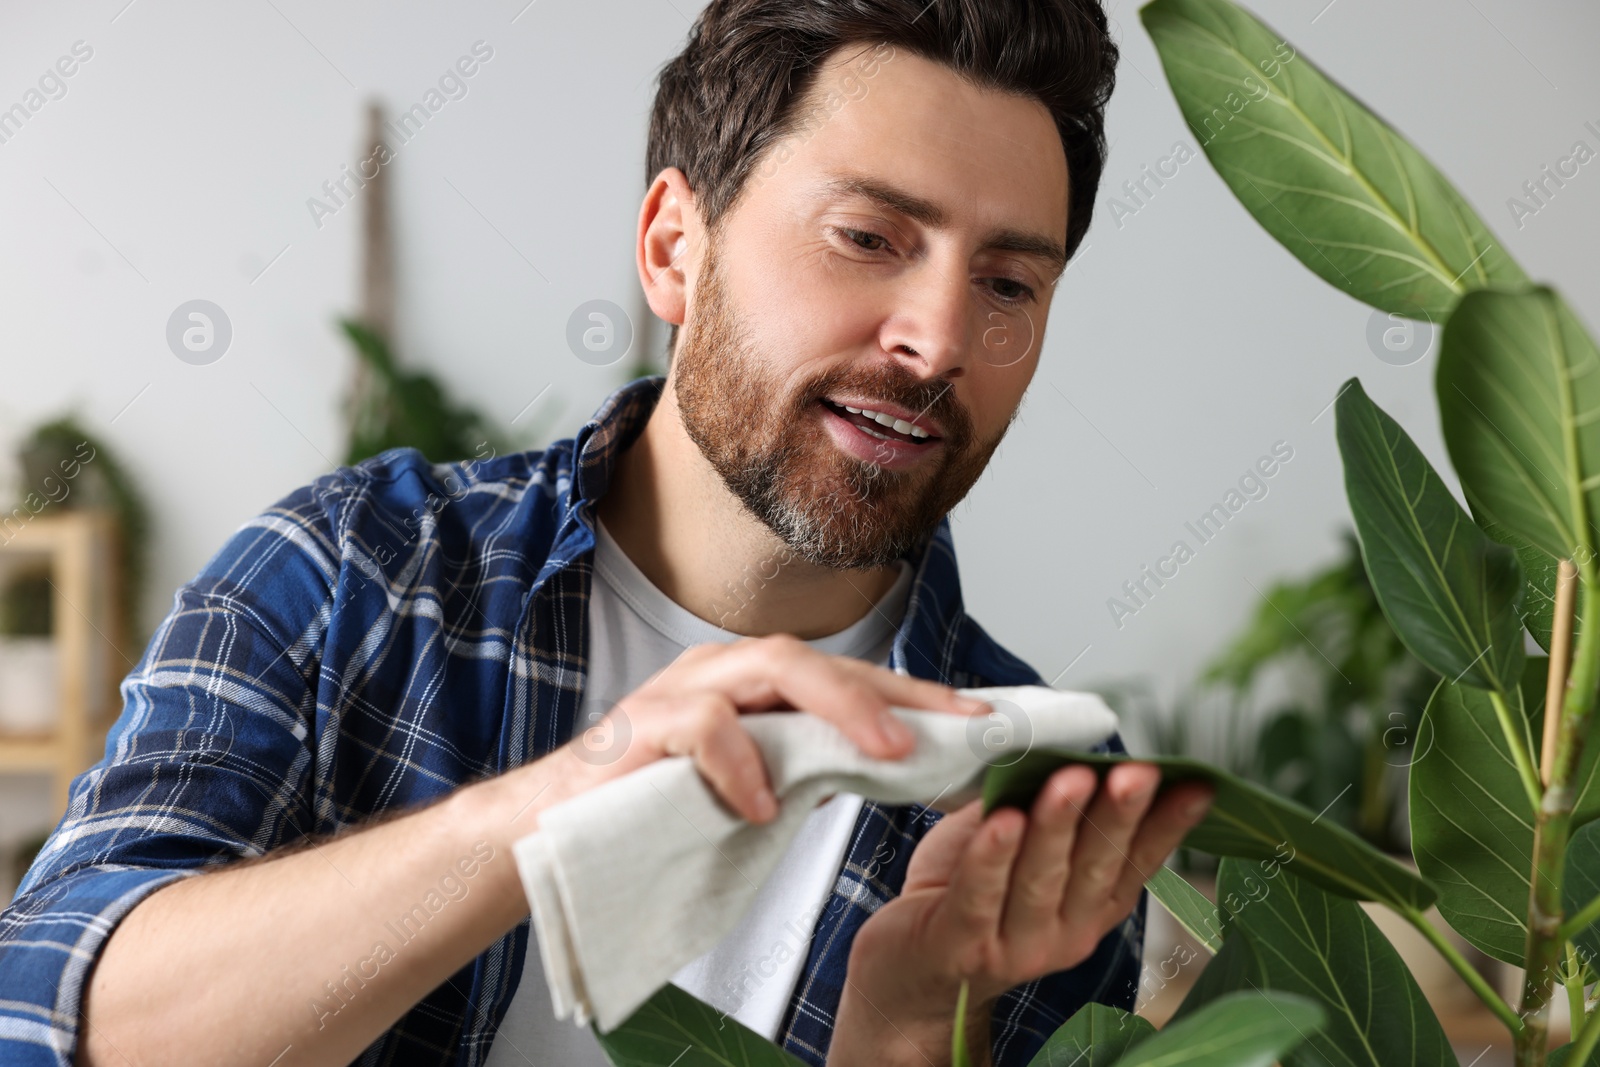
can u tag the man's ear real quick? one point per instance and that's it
(668, 249)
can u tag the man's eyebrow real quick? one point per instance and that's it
(930, 214)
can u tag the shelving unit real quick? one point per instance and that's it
(81, 547)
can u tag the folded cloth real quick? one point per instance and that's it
(635, 878)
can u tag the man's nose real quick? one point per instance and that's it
(930, 329)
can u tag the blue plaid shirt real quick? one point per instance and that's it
(374, 641)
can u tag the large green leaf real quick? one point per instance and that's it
(1312, 944)
(1451, 594)
(1232, 969)
(1188, 906)
(1244, 821)
(1094, 1037)
(1237, 1030)
(1580, 884)
(1325, 176)
(1472, 823)
(1539, 576)
(1519, 402)
(1471, 820)
(673, 1027)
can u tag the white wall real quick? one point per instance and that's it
(179, 163)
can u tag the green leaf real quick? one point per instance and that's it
(1519, 403)
(1581, 884)
(676, 1028)
(1337, 186)
(1244, 821)
(1539, 576)
(1233, 969)
(1094, 1037)
(1471, 822)
(1451, 594)
(1237, 1030)
(1189, 906)
(1312, 944)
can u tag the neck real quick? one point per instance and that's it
(668, 509)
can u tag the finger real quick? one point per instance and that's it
(1101, 854)
(1039, 880)
(970, 912)
(785, 672)
(920, 694)
(707, 728)
(1175, 812)
(934, 860)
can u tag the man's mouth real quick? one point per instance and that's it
(881, 424)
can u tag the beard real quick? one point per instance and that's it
(772, 452)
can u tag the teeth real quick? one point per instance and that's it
(884, 419)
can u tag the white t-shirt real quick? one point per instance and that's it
(635, 630)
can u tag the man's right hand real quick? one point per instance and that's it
(692, 708)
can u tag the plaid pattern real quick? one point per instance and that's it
(372, 642)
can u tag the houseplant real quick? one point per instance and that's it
(1504, 787)
(1341, 743)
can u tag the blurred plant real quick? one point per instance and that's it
(1343, 750)
(1209, 723)
(86, 475)
(392, 408)
(26, 604)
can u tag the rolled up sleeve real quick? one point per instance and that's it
(210, 760)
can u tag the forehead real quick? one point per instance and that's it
(988, 158)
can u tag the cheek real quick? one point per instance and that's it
(803, 311)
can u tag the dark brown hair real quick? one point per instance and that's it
(736, 88)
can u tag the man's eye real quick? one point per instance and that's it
(864, 239)
(1011, 291)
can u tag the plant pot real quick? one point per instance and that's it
(30, 685)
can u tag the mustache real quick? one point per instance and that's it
(936, 400)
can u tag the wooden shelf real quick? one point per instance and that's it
(81, 547)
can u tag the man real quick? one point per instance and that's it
(858, 213)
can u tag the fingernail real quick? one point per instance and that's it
(1140, 796)
(1196, 808)
(893, 730)
(766, 805)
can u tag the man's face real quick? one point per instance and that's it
(865, 319)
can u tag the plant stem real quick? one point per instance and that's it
(1586, 917)
(1519, 749)
(1584, 1042)
(1545, 943)
(1468, 974)
(1573, 979)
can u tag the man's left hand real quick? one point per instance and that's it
(1001, 901)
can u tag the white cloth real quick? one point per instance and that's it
(607, 948)
(635, 630)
